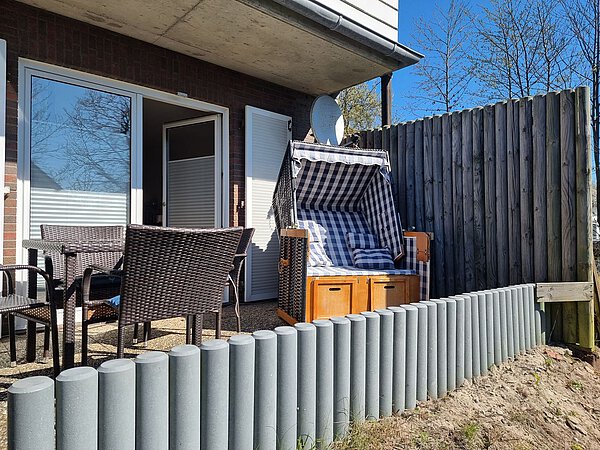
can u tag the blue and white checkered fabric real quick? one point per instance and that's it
(349, 270)
(372, 258)
(317, 257)
(357, 240)
(335, 226)
(410, 262)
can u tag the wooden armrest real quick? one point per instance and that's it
(423, 247)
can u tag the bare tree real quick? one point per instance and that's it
(361, 107)
(445, 73)
(521, 48)
(584, 18)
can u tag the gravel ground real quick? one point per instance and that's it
(103, 339)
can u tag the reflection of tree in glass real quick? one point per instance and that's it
(80, 138)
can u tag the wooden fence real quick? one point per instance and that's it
(506, 191)
(295, 387)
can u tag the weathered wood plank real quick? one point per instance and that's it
(489, 166)
(392, 139)
(502, 236)
(428, 163)
(438, 264)
(467, 200)
(362, 142)
(540, 226)
(479, 231)
(377, 138)
(448, 206)
(410, 175)
(419, 198)
(457, 197)
(583, 170)
(526, 175)
(514, 190)
(370, 138)
(568, 212)
(573, 291)
(401, 171)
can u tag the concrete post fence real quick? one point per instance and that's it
(296, 387)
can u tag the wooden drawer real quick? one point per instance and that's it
(392, 290)
(335, 296)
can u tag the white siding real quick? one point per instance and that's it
(380, 16)
(267, 136)
(191, 193)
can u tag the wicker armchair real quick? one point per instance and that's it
(235, 274)
(102, 287)
(171, 272)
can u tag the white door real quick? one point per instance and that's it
(267, 136)
(192, 173)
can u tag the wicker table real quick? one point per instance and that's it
(69, 250)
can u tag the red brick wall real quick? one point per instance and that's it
(42, 36)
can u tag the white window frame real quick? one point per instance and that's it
(28, 67)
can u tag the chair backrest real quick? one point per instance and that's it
(173, 272)
(81, 233)
(242, 249)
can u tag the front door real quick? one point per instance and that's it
(192, 173)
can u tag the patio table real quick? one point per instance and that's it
(69, 250)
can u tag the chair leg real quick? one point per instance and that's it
(136, 329)
(46, 342)
(84, 343)
(55, 344)
(197, 329)
(188, 329)
(218, 323)
(31, 330)
(120, 343)
(147, 328)
(12, 338)
(237, 308)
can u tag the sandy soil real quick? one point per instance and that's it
(544, 400)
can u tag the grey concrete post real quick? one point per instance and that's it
(528, 317)
(77, 409)
(503, 325)
(184, 397)
(399, 360)
(517, 317)
(265, 389)
(468, 347)
(358, 362)
(497, 327)
(324, 383)
(214, 394)
(31, 414)
(451, 344)
(459, 321)
(307, 384)
(151, 400)
(386, 364)
(540, 318)
(422, 330)
(116, 405)
(410, 385)
(287, 387)
(509, 323)
(241, 392)
(489, 305)
(476, 328)
(432, 353)
(372, 367)
(483, 333)
(535, 319)
(341, 376)
(442, 347)
(523, 335)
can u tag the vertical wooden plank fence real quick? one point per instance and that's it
(505, 190)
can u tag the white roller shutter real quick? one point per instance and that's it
(267, 136)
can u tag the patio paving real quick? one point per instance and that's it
(103, 340)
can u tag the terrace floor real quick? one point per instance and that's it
(103, 340)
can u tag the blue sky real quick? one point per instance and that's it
(408, 12)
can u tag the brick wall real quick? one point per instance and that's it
(42, 36)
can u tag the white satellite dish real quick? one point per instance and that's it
(326, 120)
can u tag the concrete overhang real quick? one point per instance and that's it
(300, 44)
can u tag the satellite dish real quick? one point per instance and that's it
(326, 120)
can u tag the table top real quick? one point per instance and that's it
(72, 247)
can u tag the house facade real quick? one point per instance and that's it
(174, 114)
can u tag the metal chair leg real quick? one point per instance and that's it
(46, 342)
(147, 327)
(12, 338)
(31, 338)
(197, 329)
(136, 329)
(218, 323)
(55, 345)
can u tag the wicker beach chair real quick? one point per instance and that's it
(171, 272)
(342, 247)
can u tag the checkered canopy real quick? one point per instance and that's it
(344, 190)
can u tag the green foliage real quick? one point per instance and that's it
(361, 107)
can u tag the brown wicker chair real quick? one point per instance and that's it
(102, 287)
(171, 272)
(234, 276)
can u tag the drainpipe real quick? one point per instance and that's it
(386, 99)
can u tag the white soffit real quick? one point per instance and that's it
(230, 34)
